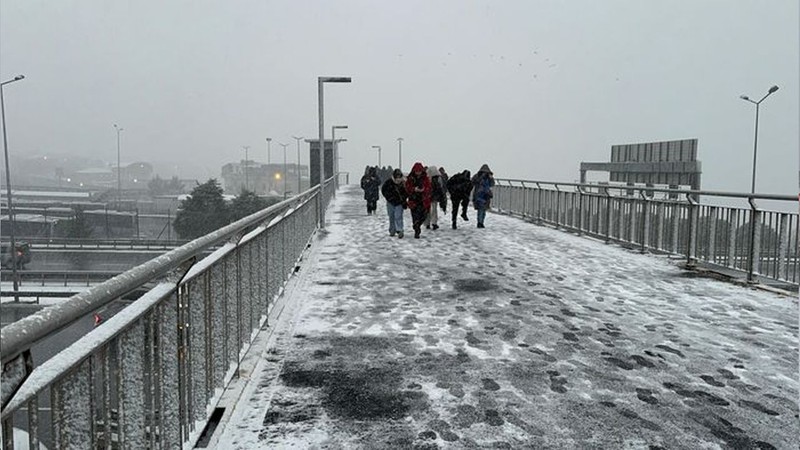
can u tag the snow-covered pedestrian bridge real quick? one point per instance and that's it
(512, 336)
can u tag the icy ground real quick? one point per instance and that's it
(515, 336)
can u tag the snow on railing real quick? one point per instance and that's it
(150, 376)
(723, 229)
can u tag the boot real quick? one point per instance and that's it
(455, 227)
(435, 227)
(464, 216)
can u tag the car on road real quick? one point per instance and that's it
(23, 255)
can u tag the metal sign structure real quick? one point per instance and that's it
(671, 163)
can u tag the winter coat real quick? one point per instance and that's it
(394, 193)
(418, 179)
(370, 183)
(438, 189)
(482, 183)
(459, 186)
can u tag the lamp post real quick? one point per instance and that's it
(297, 166)
(400, 153)
(246, 157)
(269, 141)
(284, 168)
(320, 99)
(14, 274)
(336, 151)
(379, 155)
(755, 137)
(119, 169)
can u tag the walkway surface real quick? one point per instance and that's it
(514, 336)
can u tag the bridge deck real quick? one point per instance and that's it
(515, 336)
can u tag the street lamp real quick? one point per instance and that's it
(119, 169)
(284, 168)
(14, 274)
(336, 150)
(269, 141)
(320, 96)
(755, 138)
(298, 139)
(379, 155)
(246, 157)
(400, 152)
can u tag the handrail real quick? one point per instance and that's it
(738, 235)
(23, 334)
(656, 189)
(53, 369)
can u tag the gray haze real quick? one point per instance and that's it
(529, 87)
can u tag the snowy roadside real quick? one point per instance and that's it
(516, 336)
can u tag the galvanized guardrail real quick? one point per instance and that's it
(751, 239)
(150, 376)
(102, 244)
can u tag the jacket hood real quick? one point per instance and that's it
(433, 171)
(418, 167)
(485, 168)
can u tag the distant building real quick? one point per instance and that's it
(134, 175)
(263, 179)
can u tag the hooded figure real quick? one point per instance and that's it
(482, 184)
(371, 185)
(438, 197)
(418, 186)
(459, 186)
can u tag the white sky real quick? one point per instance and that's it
(530, 87)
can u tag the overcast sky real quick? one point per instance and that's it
(530, 87)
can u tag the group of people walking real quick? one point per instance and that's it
(424, 191)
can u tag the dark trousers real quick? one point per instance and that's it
(418, 215)
(464, 204)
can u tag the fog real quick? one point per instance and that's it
(530, 87)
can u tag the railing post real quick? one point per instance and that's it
(691, 244)
(660, 225)
(558, 206)
(712, 234)
(732, 240)
(524, 200)
(538, 207)
(581, 213)
(632, 221)
(754, 249)
(608, 214)
(783, 246)
(645, 235)
(676, 216)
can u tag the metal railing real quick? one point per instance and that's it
(100, 244)
(752, 239)
(150, 376)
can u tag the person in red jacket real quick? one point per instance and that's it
(418, 187)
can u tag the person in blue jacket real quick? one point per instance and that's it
(482, 183)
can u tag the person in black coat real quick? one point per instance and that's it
(394, 191)
(459, 186)
(371, 184)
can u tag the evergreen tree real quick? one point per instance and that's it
(203, 212)
(247, 203)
